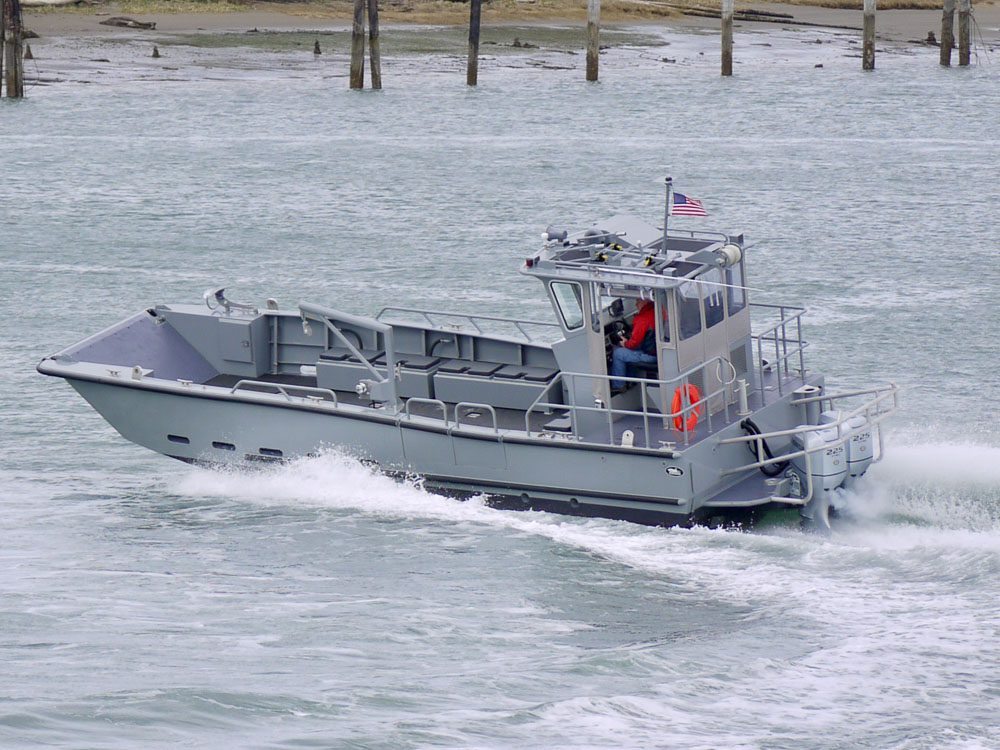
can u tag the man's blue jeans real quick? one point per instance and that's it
(621, 358)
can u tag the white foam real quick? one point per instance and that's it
(957, 464)
(780, 569)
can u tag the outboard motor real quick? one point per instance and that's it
(828, 466)
(860, 448)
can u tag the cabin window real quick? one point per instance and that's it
(178, 439)
(569, 299)
(713, 294)
(715, 313)
(689, 310)
(737, 295)
(223, 446)
(664, 317)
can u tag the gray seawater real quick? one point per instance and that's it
(144, 603)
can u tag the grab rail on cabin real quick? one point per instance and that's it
(432, 317)
(785, 347)
(682, 381)
(257, 385)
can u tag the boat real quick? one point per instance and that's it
(720, 422)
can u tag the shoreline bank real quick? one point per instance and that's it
(904, 25)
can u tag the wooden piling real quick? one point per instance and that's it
(727, 37)
(964, 11)
(358, 46)
(593, 36)
(374, 47)
(13, 53)
(947, 32)
(475, 16)
(868, 33)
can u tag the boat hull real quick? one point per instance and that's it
(552, 475)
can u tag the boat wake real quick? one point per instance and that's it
(938, 499)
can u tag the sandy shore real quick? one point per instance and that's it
(892, 25)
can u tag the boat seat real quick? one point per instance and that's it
(339, 370)
(411, 361)
(343, 354)
(528, 373)
(454, 365)
(502, 386)
(469, 367)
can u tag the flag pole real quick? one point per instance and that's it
(667, 209)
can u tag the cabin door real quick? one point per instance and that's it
(716, 338)
(702, 337)
(690, 346)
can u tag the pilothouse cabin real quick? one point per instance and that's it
(695, 281)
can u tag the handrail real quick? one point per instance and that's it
(683, 378)
(242, 384)
(428, 315)
(430, 402)
(800, 311)
(386, 384)
(781, 342)
(474, 405)
(693, 234)
(881, 394)
(327, 316)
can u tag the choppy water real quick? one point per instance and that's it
(146, 604)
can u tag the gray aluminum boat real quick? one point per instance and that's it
(726, 422)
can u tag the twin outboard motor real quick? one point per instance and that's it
(832, 465)
(860, 448)
(827, 465)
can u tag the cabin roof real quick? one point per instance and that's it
(624, 250)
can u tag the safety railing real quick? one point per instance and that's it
(578, 236)
(290, 392)
(459, 320)
(416, 401)
(682, 415)
(471, 407)
(785, 346)
(883, 401)
(466, 407)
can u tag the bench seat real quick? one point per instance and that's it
(502, 386)
(450, 380)
(344, 373)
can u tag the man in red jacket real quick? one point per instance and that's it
(641, 345)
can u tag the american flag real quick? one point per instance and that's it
(684, 206)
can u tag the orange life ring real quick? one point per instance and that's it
(693, 396)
